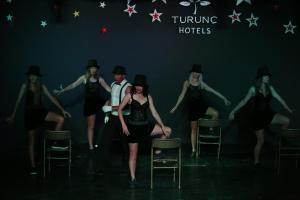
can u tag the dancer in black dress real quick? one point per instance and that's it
(197, 106)
(138, 127)
(93, 101)
(262, 113)
(35, 113)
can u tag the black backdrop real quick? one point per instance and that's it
(230, 55)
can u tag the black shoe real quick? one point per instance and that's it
(193, 154)
(133, 184)
(33, 171)
(257, 166)
(99, 172)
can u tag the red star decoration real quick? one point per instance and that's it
(155, 16)
(130, 10)
(104, 29)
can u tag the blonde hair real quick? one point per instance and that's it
(198, 82)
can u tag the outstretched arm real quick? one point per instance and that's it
(54, 101)
(218, 94)
(104, 85)
(278, 98)
(124, 102)
(10, 119)
(73, 85)
(250, 93)
(181, 96)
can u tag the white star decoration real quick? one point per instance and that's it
(9, 18)
(130, 10)
(155, 16)
(76, 13)
(102, 4)
(235, 17)
(252, 20)
(238, 2)
(289, 28)
(165, 1)
(43, 24)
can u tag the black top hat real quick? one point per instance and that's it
(119, 70)
(34, 70)
(196, 68)
(92, 63)
(263, 71)
(140, 80)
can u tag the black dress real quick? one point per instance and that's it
(138, 124)
(262, 112)
(197, 106)
(93, 100)
(35, 113)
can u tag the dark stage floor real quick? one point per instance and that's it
(233, 177)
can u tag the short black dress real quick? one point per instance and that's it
(35, 113)
(93, 100)
(138, 124)
(196, 104)
(262, 111)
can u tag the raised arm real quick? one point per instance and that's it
(124, 102)
(73, 85)
(218, 94)
(278, 98)
(250, 93)
(11, 118)
(104, 85)
(54, 101)
(181, 96)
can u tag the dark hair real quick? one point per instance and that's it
(145, 90)
(88, 74)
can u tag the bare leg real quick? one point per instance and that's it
(157, 130)
(54, 117)
(282, 120)
(260, 136)
(31, 144)
(90, 130)
(194, 126)
(133, 151)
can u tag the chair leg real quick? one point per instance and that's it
(220, 142)
(44, 159)
(49, 165)
(179, 170)
(197, 143)
(151, 181)
(174, 175)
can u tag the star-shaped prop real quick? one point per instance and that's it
(238, 2)
(235, 17)
(155, 16)
(165, 1)
(130, 10)
(43, 23)
(9, 18)
(76, 13)
(252, 20)
(102, 4)
(104, 29)
(289, 28)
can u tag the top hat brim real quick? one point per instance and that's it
(197, 71)
(36, 74)
(265, 74)
(89, 66)
(119, 72)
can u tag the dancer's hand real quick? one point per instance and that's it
(227, 102)
(173, 110)
(57, 92)
(125, 130)
(106, 119)
(10, 119)
(166, 132)
(66, 114)
(231, 116)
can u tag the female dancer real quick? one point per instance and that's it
(138, 127)
(35, 112)
(93, 101)
(262, 114)
(197, 106)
